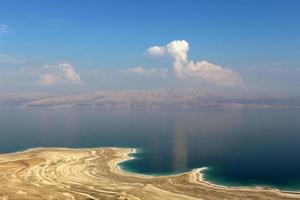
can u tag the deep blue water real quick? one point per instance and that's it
(241, 148)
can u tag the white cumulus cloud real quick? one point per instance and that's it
(59, 72)
(185, 68)
(69, 72)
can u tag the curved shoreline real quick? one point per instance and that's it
(94, 173)
(200, 178)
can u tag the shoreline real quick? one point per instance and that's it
(200, 175)
(134, 150)
(104, 163)
(200, 179)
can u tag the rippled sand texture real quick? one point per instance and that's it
(93, 174)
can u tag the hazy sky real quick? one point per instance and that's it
(64, 46)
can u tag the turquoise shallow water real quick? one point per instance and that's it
(241, 148)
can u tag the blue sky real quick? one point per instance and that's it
(250, 38)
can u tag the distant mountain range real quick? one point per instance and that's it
(147, 100)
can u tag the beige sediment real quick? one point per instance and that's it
(60, 173)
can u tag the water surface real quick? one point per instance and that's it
(241, 148)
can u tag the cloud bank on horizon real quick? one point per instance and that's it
(185, 68)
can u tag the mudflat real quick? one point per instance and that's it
(62, 173)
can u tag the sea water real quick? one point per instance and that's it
(239, 147)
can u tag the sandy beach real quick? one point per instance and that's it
(61, 173)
